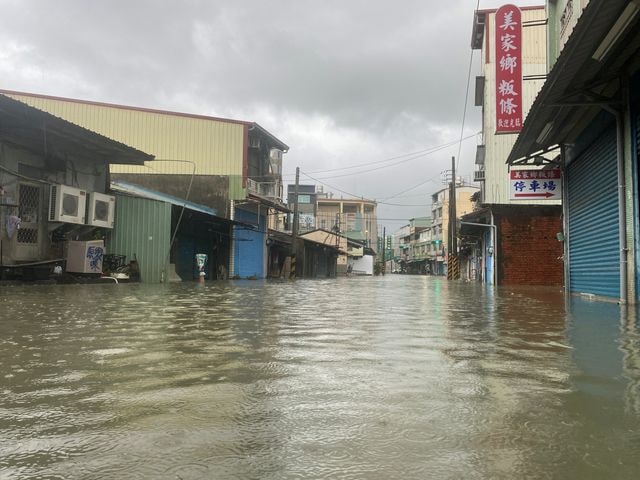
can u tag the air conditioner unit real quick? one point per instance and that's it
(67, 204)
(275, 154)
(254, 142)
(100, 210)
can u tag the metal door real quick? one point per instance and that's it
(594, 240)
(28, 238)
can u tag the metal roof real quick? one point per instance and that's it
(578, 84)
(51, 136)
(252, 125)
(143, 192)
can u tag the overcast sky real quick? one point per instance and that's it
(342, 82)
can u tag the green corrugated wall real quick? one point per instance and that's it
(142, 229)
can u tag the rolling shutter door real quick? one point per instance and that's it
(250, 245)
(594, 242)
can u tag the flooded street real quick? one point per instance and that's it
(407, 377)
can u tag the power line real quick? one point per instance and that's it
(330, 186)
(466, 100)
(411, 188)
(413, 156)
(357, 196)
(395, 163)
(404, 204)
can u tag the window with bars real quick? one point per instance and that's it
(28, 211)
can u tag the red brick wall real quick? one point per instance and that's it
(528, 250)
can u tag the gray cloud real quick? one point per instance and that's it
(342, 82)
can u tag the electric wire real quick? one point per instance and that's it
(466, 101)
(413, 156)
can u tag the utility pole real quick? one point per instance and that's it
(384, 250)
(294, 228)
(453, 272)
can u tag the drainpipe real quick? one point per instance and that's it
(494, 230)
(232, 250)
(622, 205)
(565, 220)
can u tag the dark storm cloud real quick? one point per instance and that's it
(342, 82)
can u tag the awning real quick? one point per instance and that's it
(582, 80)
(144, 192)
(57, 139)
(271, 203)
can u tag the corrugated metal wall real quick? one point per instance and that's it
(592, 212)
(142, 230)
(633, 210)
(215, 146)
(250, 245)
(498, 147)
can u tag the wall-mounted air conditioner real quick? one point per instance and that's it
(254, 142)
(67, 204)
(100, 210)
(275, 157)
(275, 154)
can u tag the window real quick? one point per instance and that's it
(304, 198)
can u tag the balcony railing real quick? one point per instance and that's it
(264, 189)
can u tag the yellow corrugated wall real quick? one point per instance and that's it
(215, 146)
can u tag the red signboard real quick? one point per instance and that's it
(508, 69)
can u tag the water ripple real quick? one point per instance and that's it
(360, 378)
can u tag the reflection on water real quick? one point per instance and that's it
(376, 378)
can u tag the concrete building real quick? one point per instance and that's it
(487, 239)
(440, 221)
(355, 218)
(307, 206)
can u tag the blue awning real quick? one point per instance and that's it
(139, 191)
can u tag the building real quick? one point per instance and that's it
(491, 246)
(586, 118)
(357, 219)
(440, 221)
(233, 167)
(54, 207)
(307, 206)
(400, 246)
(417, 247)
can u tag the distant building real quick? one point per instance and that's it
(440, 221)
(307, 206)
(355, 218)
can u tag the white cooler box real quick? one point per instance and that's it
(85, 257)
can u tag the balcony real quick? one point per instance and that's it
(270, 190)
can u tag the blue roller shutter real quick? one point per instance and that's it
(594, 242)
(250, 244)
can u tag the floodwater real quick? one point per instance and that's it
(396, 377)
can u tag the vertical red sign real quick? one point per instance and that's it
(508, 69)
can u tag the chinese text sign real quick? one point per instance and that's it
(536, 184)
(508, 69)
